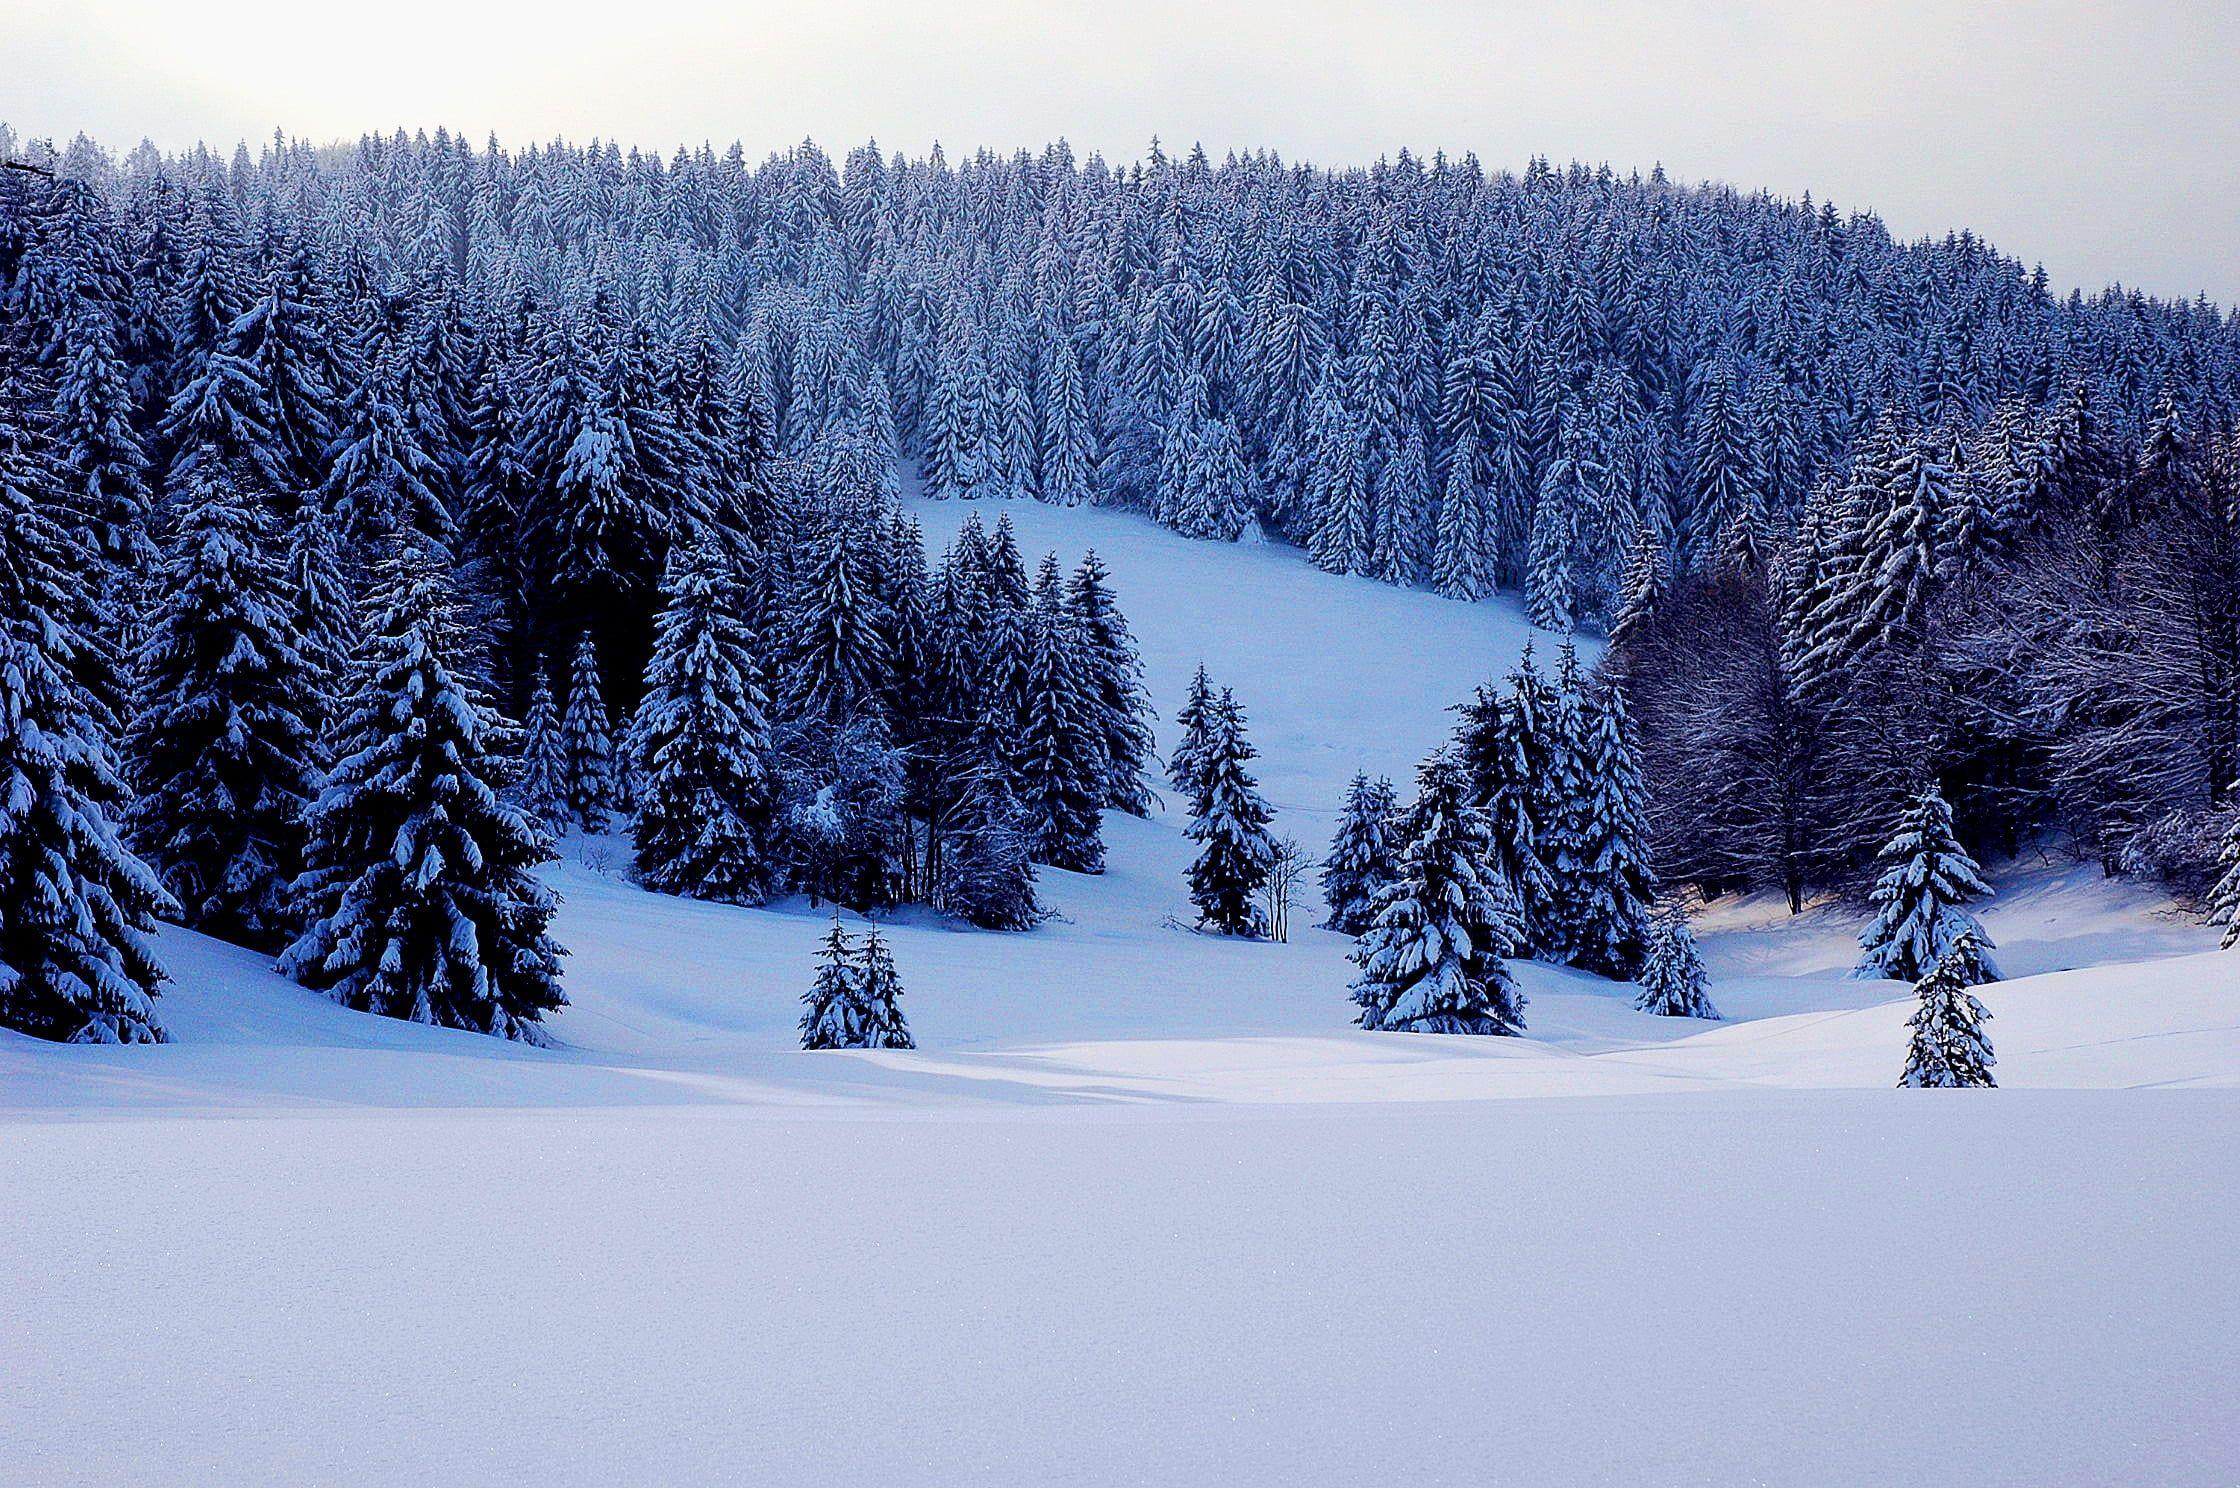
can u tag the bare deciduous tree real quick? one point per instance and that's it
(1286, 871)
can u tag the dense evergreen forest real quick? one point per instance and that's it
(342, 480)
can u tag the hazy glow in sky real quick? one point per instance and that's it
(2102, 138)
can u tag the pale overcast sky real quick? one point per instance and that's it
(2100, 138)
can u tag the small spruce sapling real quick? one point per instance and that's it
(1949, 1049)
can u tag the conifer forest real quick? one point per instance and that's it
(809, 794)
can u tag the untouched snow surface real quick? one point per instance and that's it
(1144, 1208)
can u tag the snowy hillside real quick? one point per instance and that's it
(1127, 1214)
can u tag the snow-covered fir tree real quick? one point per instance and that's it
(1921, 896)
(837, 664)
(541, 788)
(1459, 569)
(1672, 976)
(881, 990)
(1502, 742)
(1432, 959)
(1114, 674)
(323, 613)
(2224, 896)
(985, 875)
(700, 740)
(1229, 823)
(1193, 723)
(1363, 856)
(77, 909)
(221, 750)
(1606, 879)
(1055, 741)
(1949, 1049)
(420, 899)
(587, 741)
(834, 1014)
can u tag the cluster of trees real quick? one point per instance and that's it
(272, 636)
(1526, 837)
(1422, 371)
(2032, 616)
(854, 1003)
(1859, 515)
(852, 723)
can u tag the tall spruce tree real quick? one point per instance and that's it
(833, 1010)
(1054, 747)
(2224, 897)
(1229, 822)
(1194, 721)
(1672, 977)
(1432, 958)
(1502, 744)
(1459, 569)
(701, 744)
(1363, 855)
(541, 790)
(587, 739)
(1610, 881)
(1114, 673)
(221, 749)
(1949, 1049)
(77, 909)
(1921, 895)
(420, 899)
(881, 989)
(985, 873)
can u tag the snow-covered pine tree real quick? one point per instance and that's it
(1229, 822)
(1500, 744)
(1404, 518)
(833, 1013)
(587, 739)
(420, 898)
(953, 430)
(1115, 675)
(1921, 896)
(541, 789)
(1217, 496)
(382, 481)
(1949, 1050)
(1561, 808)
(1054, 747)
(77, 909)
(837, 666)
(1459, 569)
(1069, 434)
(221, 751)
(1193, 721)
(102, 458)
(1363, 855)
(701, 743)
(881, 990)
(1646, 579)
(1672, 979)
(1181, 450)
(1432, 958)
(986, 874)
(2224, 898)
(324, 615)
(1611, 883)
